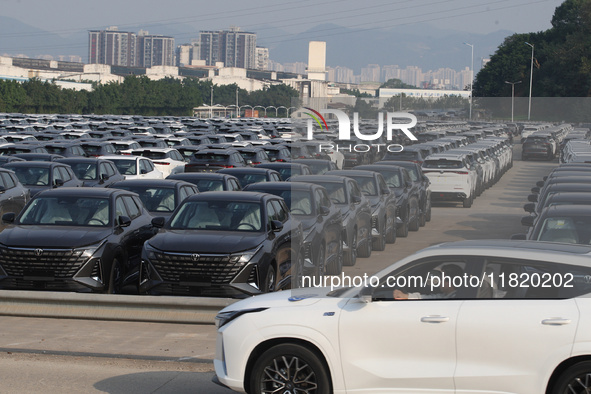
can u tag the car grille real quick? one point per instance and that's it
(61, 263)
(218, 269)
(374, 222)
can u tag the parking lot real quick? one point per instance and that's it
(185, 351)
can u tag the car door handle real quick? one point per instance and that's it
(434, 319)
(556, 321)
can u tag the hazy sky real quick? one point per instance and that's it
(477, 16)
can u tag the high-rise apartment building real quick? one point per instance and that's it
(235, 48)
(154, 50)
(111, 46)
(262, 58)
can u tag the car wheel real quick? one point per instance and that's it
(414, 224)
(336, 266)
(115, 278)
(422, 219)
(321, 261)
(352, 258)
(428, 213)
(270, 280)
(467, 202)
(289, 368)
(379, 243)
(365, 251)
(576, 379)
(401, 231)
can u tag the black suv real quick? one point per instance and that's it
(93, 172)
(74, 239)
(223, 243)
(212, 160)
(42, 175)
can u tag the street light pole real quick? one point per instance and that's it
(471, 76)
(211, 102)
(237, 115)
(512, 96)
(531, 78)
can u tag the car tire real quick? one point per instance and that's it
(576, 379)
(422, 219)
(115, 278)
(321, 261)
(379, 243)
(402, 231)
(365, 251)
(428, 213)
(270, 283)
(352, 256)
(414, 224)
(336, 266)
(467, 203)
(304, 368)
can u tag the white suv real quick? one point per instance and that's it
(167, 160)
(452, 178)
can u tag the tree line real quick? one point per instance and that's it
(136, 95)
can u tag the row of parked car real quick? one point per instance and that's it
(166, 236)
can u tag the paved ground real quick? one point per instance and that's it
(58, 355)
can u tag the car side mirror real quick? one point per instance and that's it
(158, 222)
(535, 190)
(324, 210)
(143, 171)
(519, 237)
(276, 225)
(540, 183)
(2, 189)
(386, 191)
(532, 198)
(104, 177)
(530, 207)
(124, 221)
(366, 295)
(355, 199)
(527, 221)
(58, 183)
(8, 217)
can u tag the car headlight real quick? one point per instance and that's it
(88, 251)
(244, 257)
(150, 251)
(224, 318)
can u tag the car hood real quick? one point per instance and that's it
(286, 298)
(60, 237)
(203, 241)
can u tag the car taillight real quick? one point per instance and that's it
(461, 172)
(280, 160)
(162, 163)
(256, 162)
(227, 166)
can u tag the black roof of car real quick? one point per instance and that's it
(217, 151)
(377, 168)
(200, 175)
(83, 192)
(319, 178)
(261, 186)
(312, 161)
(33, 164)
(569, 196)
(151, 183)
(229, 196)
(40, 155)
(247, 170)
(81, 159)
(351, 173)
(60, 144)
(571, 210)
(282, 164)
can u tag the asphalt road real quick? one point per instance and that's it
(59, 355)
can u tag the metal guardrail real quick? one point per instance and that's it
(162, 309)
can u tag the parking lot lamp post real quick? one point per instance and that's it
(531, 78)
(512, 96)
(471, 76)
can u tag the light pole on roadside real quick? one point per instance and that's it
(471, 76)
(531, 79)
(512, 96)
(211, 102)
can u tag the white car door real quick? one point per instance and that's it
(400, 346)
(511, 339)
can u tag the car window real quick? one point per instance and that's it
(512, 278)
(392, 179)
(235, 184)
(56, 174)
(103, 169)
(64, 174)
(132, 208)
(271, 213)
(382, 185)
(7, 181)
(144, 167)
(110, 169)
(324, 199)
(187, 191)
(355, 191)
(120, 209)
(281, 213)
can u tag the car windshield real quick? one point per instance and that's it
(206, 185)
(125, 167)
(91, 148)
(367, 185)
(443, 164)
(67, 211)
(247, 179)
(576, 230)
(392, 178)
(218, 216)
(55, 150)
(336, 192)
(84, 171)
(151, 155)
(32, 176)
(318, 168)
(211, 157)
(404, 155)
(155, 199)
(298, 201)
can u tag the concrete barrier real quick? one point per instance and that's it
(161, 309)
